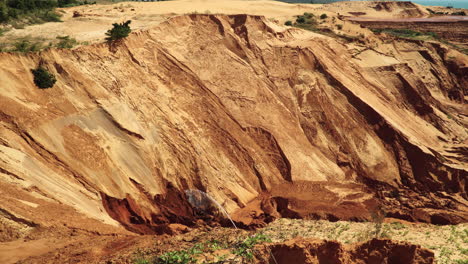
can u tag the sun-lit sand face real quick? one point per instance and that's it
(92, 21)
(270, 120)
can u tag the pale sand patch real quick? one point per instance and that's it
(95, 20)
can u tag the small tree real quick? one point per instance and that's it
(118, 31)
(43, 78)
(323, 16)
(288, 23)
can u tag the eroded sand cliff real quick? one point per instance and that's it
(235, 106)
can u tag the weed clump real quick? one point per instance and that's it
(25, 45)
(245, 248)
(65, 42)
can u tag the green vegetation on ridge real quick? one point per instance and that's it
(241, 249)
(30, 11)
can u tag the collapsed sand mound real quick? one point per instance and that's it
(375, 251)
(242, 109)
(401, 8)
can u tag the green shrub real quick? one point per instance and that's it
(118, 31)
(180, 256)
(176, 257)
(3, 13)
(66, 3)
(301, 19)
(323, 16)
(50, 16)
(288, 23)
(245, 248)
(307, 18)
(339, 26)
(21, 46)
(43, 78)
(29, 10)
(308, 15)
(65, 42)
(25, 45)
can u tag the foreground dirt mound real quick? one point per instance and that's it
(375, 251)
(270, 121)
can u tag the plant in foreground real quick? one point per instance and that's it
(245, 248)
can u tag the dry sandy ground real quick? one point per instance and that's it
(97, 19)
(449, 243)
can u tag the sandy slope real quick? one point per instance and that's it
(272, 121)
(96, 19)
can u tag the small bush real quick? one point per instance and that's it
(323, 16)
(43, 78)
(50, 16)
(245, 248)
(288, 23)
(339, 26)
(180, 256)
(25, 45)
(308, 15)
(301, 19)
(3, 13)
(67, 3)
(65, 42)
(118, 31)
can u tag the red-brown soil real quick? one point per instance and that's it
(375, 251)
